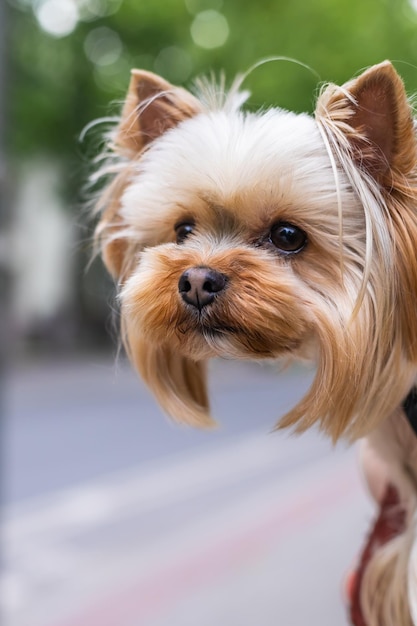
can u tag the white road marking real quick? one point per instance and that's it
(52, 574)
(142, 489)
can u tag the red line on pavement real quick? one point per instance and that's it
(147, 599)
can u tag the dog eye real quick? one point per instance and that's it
(183, 230)
(287, 237)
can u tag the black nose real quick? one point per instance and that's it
(199, 285)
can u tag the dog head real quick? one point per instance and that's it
(268, 235)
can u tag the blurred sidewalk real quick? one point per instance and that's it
(239, 528)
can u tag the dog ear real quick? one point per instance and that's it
(369, 122)
(179, 384)
(375, 117)
(369, 133)
(152, 107)
(109, 236)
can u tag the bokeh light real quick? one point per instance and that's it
(92, 9)
(174, 63)
(57, 17)
(210, 29)
(103, 46)
(196, 6)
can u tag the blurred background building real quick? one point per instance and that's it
(67, 62)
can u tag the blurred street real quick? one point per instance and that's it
(113, 516)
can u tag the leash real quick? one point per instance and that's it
(410, 408)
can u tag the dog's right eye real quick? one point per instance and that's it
(287, 238)
(183, 230)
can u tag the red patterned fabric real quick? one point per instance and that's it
(389, 524)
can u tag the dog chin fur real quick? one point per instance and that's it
(346, 179)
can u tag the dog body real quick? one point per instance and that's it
(274, 235)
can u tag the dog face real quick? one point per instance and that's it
(264, 236)
(234, 245)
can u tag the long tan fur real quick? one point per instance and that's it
(348, 179)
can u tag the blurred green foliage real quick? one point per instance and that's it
(60, 83)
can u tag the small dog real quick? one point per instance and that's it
(273, 234)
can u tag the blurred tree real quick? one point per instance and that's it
(4, 205)
(63, 81)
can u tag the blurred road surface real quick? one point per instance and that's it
(115, 517)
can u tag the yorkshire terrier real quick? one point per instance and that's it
(274, 234)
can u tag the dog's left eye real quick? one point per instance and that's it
(287, 237)
(183, 230)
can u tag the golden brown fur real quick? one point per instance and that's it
(347, 180)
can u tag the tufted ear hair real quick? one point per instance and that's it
(152, 107)
(373, 114)
(179, 383)
(369, 132)
(368, 126)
